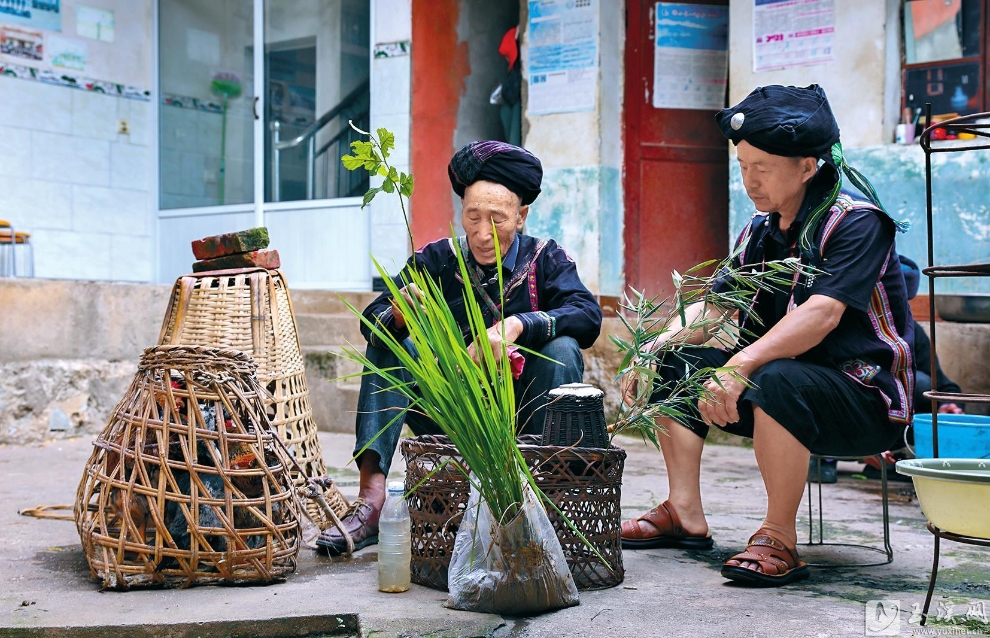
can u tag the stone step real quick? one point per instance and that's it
(334, 406)
(338, 329)
(328, 302)
(329, 362)
(334, 402)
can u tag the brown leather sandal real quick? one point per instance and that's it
(668, 531)
(778, 564)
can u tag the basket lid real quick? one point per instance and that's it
(577, 390)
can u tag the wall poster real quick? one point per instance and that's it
(37, 14)
(66, 53)
(691, 56)
(792, 33)
(95, 23)
(563, 55)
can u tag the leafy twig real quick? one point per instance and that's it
(657, 330)
(372, 155)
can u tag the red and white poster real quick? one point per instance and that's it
(792, 33)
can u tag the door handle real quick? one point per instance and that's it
(254, 107)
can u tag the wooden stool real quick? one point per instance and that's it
(7, 248)
(9, 240)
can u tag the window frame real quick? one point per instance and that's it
(982, 59)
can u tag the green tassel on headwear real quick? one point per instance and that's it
(814, 219)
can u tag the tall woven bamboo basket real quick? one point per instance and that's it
(584, 483)
(250, 310)
(187, 483)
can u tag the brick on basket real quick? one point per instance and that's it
(242, 249)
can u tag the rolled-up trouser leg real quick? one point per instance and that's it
(540, 376)
(379, 409)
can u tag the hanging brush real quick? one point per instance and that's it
(227, 86)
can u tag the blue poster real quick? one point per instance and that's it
(39, 14)
(563, 55)
(691, 56)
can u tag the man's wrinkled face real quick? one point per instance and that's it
(774, 182)
(484, 203)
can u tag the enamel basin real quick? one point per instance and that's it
(954, 493)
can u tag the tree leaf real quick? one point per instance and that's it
(370, 195)
(352, 163)
(388, 186)
(386, 140)
(362, 149)
(406, 184)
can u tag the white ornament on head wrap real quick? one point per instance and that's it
(737, 121)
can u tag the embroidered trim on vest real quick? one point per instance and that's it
(882, 319)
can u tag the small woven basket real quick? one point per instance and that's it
(187, 483)
(576, 416)
(584, 483)
(250, 310)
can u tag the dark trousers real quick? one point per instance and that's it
(824, 409)
(381, 412)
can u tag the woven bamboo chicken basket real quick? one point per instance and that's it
(187, 483)
(250, 310)
(585, 483)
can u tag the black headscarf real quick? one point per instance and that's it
(511, 166)
(797, 122)
(783, 120)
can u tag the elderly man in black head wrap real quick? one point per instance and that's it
(826, 356)
(547, 309)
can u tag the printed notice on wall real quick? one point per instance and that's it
(792, 33)
(38, 14)
(691, 56)
(563, 55)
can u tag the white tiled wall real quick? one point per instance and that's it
(390, 108)
(83, 191)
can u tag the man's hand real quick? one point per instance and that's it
(721, 406)
(629, 387)
(950, 408)
(409, 292)
(513, 329)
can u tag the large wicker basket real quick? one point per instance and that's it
(250, 310)
(585, 483)
(186, 483)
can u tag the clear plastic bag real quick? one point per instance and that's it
(516, 568)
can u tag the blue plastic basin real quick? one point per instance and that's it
(959, 436)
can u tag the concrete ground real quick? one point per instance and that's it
(47, 591)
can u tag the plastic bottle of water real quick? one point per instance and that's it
(394, 553)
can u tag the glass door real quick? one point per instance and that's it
(316, 80)
(206, 79)
(256, 96)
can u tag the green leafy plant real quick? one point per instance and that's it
(657, 328)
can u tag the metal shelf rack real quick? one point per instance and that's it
(978, 126)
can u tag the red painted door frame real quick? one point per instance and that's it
(676, 179)
(439, 68)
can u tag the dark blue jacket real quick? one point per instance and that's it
(854, 247)
(542, 289)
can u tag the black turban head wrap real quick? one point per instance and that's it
(797, 122)
(515, 168)
(783, 120)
